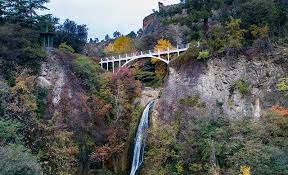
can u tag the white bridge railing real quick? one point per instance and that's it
(125, 59)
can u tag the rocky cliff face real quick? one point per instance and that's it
(233, 87)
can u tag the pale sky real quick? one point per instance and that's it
(105, 16)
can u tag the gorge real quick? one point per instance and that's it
(216, 105)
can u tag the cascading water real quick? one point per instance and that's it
(138, 153)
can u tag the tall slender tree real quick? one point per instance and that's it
(1, 11)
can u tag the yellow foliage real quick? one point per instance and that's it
(120, 46)
(259, 32)
(162, 44)
(160, 70)
(23, 91)
(245, 170)
(109, 49)
(180, 167)
(235, 34)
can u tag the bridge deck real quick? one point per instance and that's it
(143, 54)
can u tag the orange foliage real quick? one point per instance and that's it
(98, 107)
(279, 110)
(102, 153)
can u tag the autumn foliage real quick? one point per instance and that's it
(121, 45)
(279, 110)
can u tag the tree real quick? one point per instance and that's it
(162, 45)
(1, 11)
(235, 35)
(120, 46)
(132, 34)
(66, 48)
(107, 37)
(116, 34)
(96, 40)
(16, 159)
(13, 52)
(47, 21)
(139, 33)
(197, 11)
(9, 132)
(23, 12)
(73, 34)
(160, 67)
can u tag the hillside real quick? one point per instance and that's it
(217, 107)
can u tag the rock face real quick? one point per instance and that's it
(53, 76)
(148, 94)
(214, 82)
(152, 26)
(63, 87)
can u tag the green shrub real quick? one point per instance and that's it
(234, 34)
(66, 48)
(191, 54)
(87, 70)
(193, 101)
(283, 84)
(242, 86)
(203, 54)
(216, 39)
(9, 131)
(41, 94)
(17, 160)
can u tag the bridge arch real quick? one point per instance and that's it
(150, 57)
(129, 58)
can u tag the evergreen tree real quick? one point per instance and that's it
(132, 34)
(96, 40)
(139, 33)
(116, 34)
(23, 11)
(72, 34)
(107, 37)
(1, 11)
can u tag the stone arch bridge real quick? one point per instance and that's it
(112, 63)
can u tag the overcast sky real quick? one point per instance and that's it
(105, 16)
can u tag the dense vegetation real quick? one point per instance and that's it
(201, 143)
(35, 137)
(216, 145)
(91, 132)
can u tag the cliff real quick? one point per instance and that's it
(233, 87)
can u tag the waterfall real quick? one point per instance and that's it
(139, 144)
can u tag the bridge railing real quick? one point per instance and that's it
(138, 53)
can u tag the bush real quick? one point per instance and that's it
(19, 47)
(66, 48)
(203, 55)
(9, 132)
(40, 94)
(193, 101)
(191, 54)
(17, 160)
(282, 85)
(242, 86)
(87, 70)
(235, 35)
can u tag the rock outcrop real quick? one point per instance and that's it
(214, 82)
